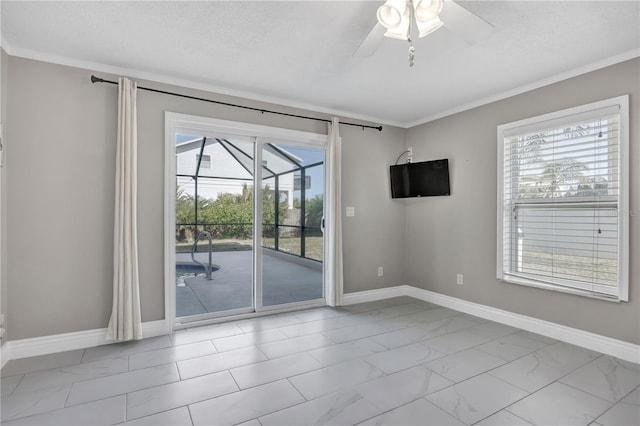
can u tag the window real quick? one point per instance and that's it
(206, 161)
(563, 216)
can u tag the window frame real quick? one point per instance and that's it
(206, 161)
(558, 118)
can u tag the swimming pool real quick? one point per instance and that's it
(190, 269)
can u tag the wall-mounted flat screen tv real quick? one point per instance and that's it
(424, 179)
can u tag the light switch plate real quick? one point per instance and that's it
(351, 211)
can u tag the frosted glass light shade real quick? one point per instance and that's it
(391, 13)
(401, 31)
(426, 28)
(426, 10)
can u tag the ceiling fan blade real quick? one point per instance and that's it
(371, 42)
(466, 25)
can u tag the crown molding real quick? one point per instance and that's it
(612, 60)
(185, 83)
(277, 101)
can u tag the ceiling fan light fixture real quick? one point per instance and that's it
(427, 10)
(390, 14)
(426, 28)
(401, 31)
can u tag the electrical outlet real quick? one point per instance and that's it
(380, 271)
(460, 279)
(351, 211)
(410, 154)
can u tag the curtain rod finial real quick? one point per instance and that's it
(95, 79)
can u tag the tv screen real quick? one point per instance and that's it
(424, 179)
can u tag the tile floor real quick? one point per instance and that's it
(394, 362)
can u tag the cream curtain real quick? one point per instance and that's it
(334, 225)
(125, 322)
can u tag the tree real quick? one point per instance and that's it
(228, 216)
(314, 211)
(560, 177)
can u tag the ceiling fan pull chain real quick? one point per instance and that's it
(412, 55)
(412, 50)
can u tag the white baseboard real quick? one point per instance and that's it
(84, 339)
(373, 295)
(35, 346)
(606, 345)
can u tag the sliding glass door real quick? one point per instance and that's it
(249, 214)
(214, 226)
(292, 214)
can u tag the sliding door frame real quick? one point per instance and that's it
(259, 135)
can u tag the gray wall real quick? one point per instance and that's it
(60, 196)
(3, 204)
(457, 234)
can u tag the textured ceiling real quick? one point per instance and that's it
(300, 53)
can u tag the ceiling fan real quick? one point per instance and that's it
(396, 19)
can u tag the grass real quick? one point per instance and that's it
(576, 268)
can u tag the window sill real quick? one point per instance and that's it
(575, 291)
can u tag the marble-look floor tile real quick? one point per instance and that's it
(493, 330)
(503, 418)
(253, 422)
(340, 408)
(104, 412)
(447, 325)
(401, 337)
(336, 354)
(624, 413)
(210, 332)
(559, 404)
(417, 413)
(8, 384)
(398, 310)
(275, 369)
(363, 307)
(172, 354)
(173, 395)
(125, 348)
(476, 398)
(239, 341)
(41, 362)
(542, 367)
(511, 347)
(317, 314)
(176, 417)
(266, 323)
(118, 384)
(456, 341)
(429, 316)
(295, 345)
(335, 378)
(246, 405)
(403, 357)
(312, 327)
(397, 389)
(220, 361)
(606, 377)
(71, 374)
(35, 402)
(347, 334)
(538, 337)
(465, 364)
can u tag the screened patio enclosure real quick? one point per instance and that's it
(215, 187)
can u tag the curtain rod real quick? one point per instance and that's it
(95, 79)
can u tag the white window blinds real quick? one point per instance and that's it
(562, 200)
